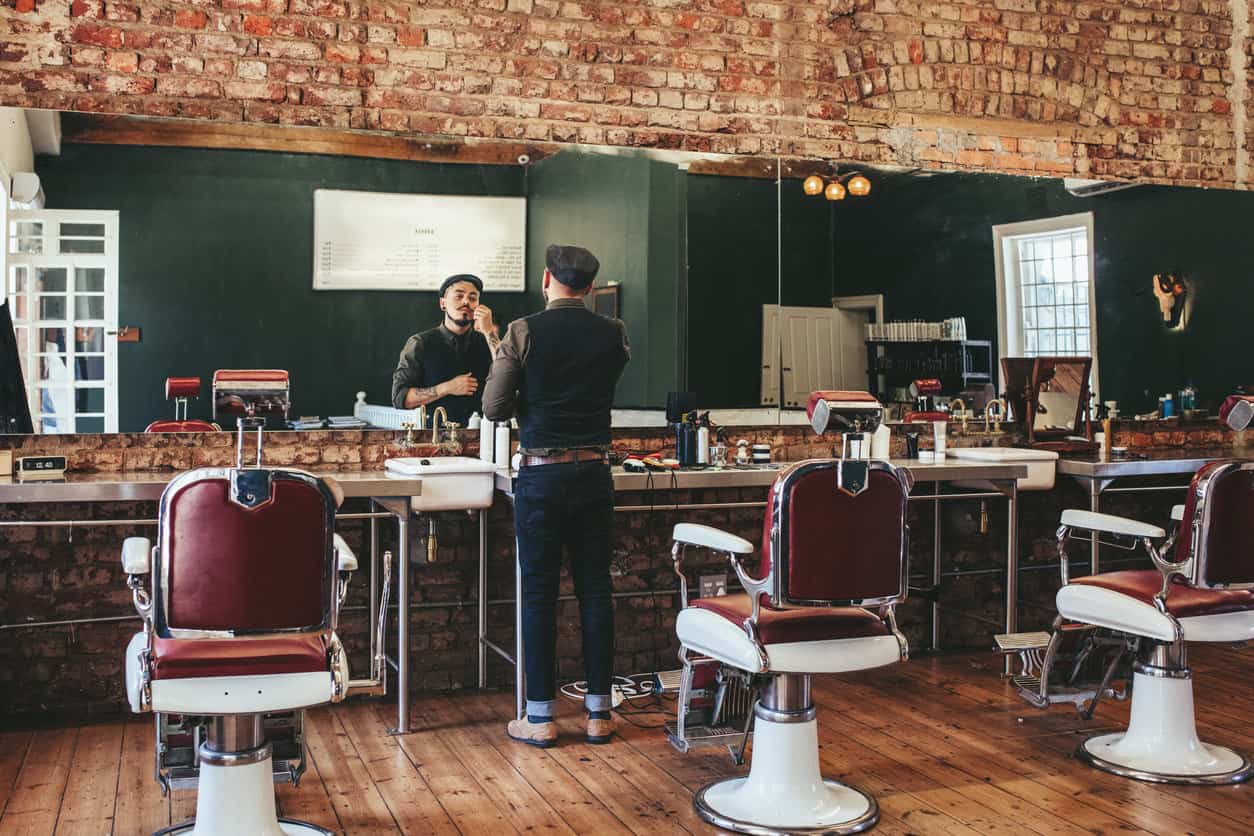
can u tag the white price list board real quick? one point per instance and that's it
(386, 241)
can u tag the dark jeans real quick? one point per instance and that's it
(565, 506)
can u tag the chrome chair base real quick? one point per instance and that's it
(291, 827)
(1234, 767)
(850, 811)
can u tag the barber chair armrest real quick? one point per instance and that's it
(1110, 524)
(136, 555)
(707, 537)
(345, 558)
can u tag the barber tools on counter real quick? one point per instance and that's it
(255, 393)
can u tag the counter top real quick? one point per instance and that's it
(763, 475)
(148, 485)
(1152, 463)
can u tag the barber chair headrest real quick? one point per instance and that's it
(182, 387)
(254, 392)
(844, 411)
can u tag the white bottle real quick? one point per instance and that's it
(881, 442)
(486, 432)
(474, 422)
(500, 446)
(938, 438)
(703, 445)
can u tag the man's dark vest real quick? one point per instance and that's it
(441, 362)
(573, 363)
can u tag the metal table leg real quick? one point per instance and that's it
(402, 625)
(483, 598)
(936, 567)
(1095, 500)
(1012, 560)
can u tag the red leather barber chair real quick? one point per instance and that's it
(1201, 590)
(181, 390)
(832, 570)
(240, 599)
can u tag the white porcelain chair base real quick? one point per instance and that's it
(1161, 743)
(239, 799)
(784, 792)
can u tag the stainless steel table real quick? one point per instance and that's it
(1097, 476)
(1002, 478)
(392, 493)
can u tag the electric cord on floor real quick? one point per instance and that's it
(637, 698)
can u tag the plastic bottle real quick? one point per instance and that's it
(703, 444)
(500, 445)
(881, 442)
(487, 431)
(1169, 406)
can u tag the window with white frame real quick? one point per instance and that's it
(61, 270)
(1045, 288)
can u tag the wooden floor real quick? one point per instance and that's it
(940, 742)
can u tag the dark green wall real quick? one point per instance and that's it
(926, 243)
(216, 267)
(733, 270)
(626, 211)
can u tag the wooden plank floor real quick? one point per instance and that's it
(941, 742)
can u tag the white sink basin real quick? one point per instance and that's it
(1042, 464)
(449, 483)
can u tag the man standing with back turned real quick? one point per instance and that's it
(557, 369)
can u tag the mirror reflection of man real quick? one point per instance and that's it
(447, 365)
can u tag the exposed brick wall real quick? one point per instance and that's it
(1141, 88)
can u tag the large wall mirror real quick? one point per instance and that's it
(1152, 281)
(148, 254)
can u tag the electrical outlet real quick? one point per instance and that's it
(712, 585)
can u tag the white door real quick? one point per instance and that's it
(770, 355)
(823, 348)
(62, 286)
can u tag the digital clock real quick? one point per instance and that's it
(41, 467)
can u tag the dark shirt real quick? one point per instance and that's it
(564, 404)
(437, 355)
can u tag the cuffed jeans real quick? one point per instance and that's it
(567, 506)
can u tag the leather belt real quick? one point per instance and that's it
(568, 456)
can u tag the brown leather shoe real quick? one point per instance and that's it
(600, 731)
(543, 735)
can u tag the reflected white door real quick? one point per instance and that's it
(62, 286)
(823, 348)
(770, 355)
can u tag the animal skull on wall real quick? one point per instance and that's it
(1172, 294)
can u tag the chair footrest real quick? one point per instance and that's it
(1029, 688)
(1019, 642)
(702, 736)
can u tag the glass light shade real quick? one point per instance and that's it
(835, 191)
(813, 185)
(859, 185)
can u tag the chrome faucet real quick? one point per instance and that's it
(1001, 414)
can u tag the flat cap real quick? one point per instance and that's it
(462, 277)
(573, 266)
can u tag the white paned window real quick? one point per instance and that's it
(62, 286)
(1045, 288)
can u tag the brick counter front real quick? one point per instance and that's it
(72, 671)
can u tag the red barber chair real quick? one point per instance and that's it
(240, 599)
(181, 390)
(832, 570)
(1201, 590)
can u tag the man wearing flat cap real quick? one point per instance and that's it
(556, 370)
(447, 365)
